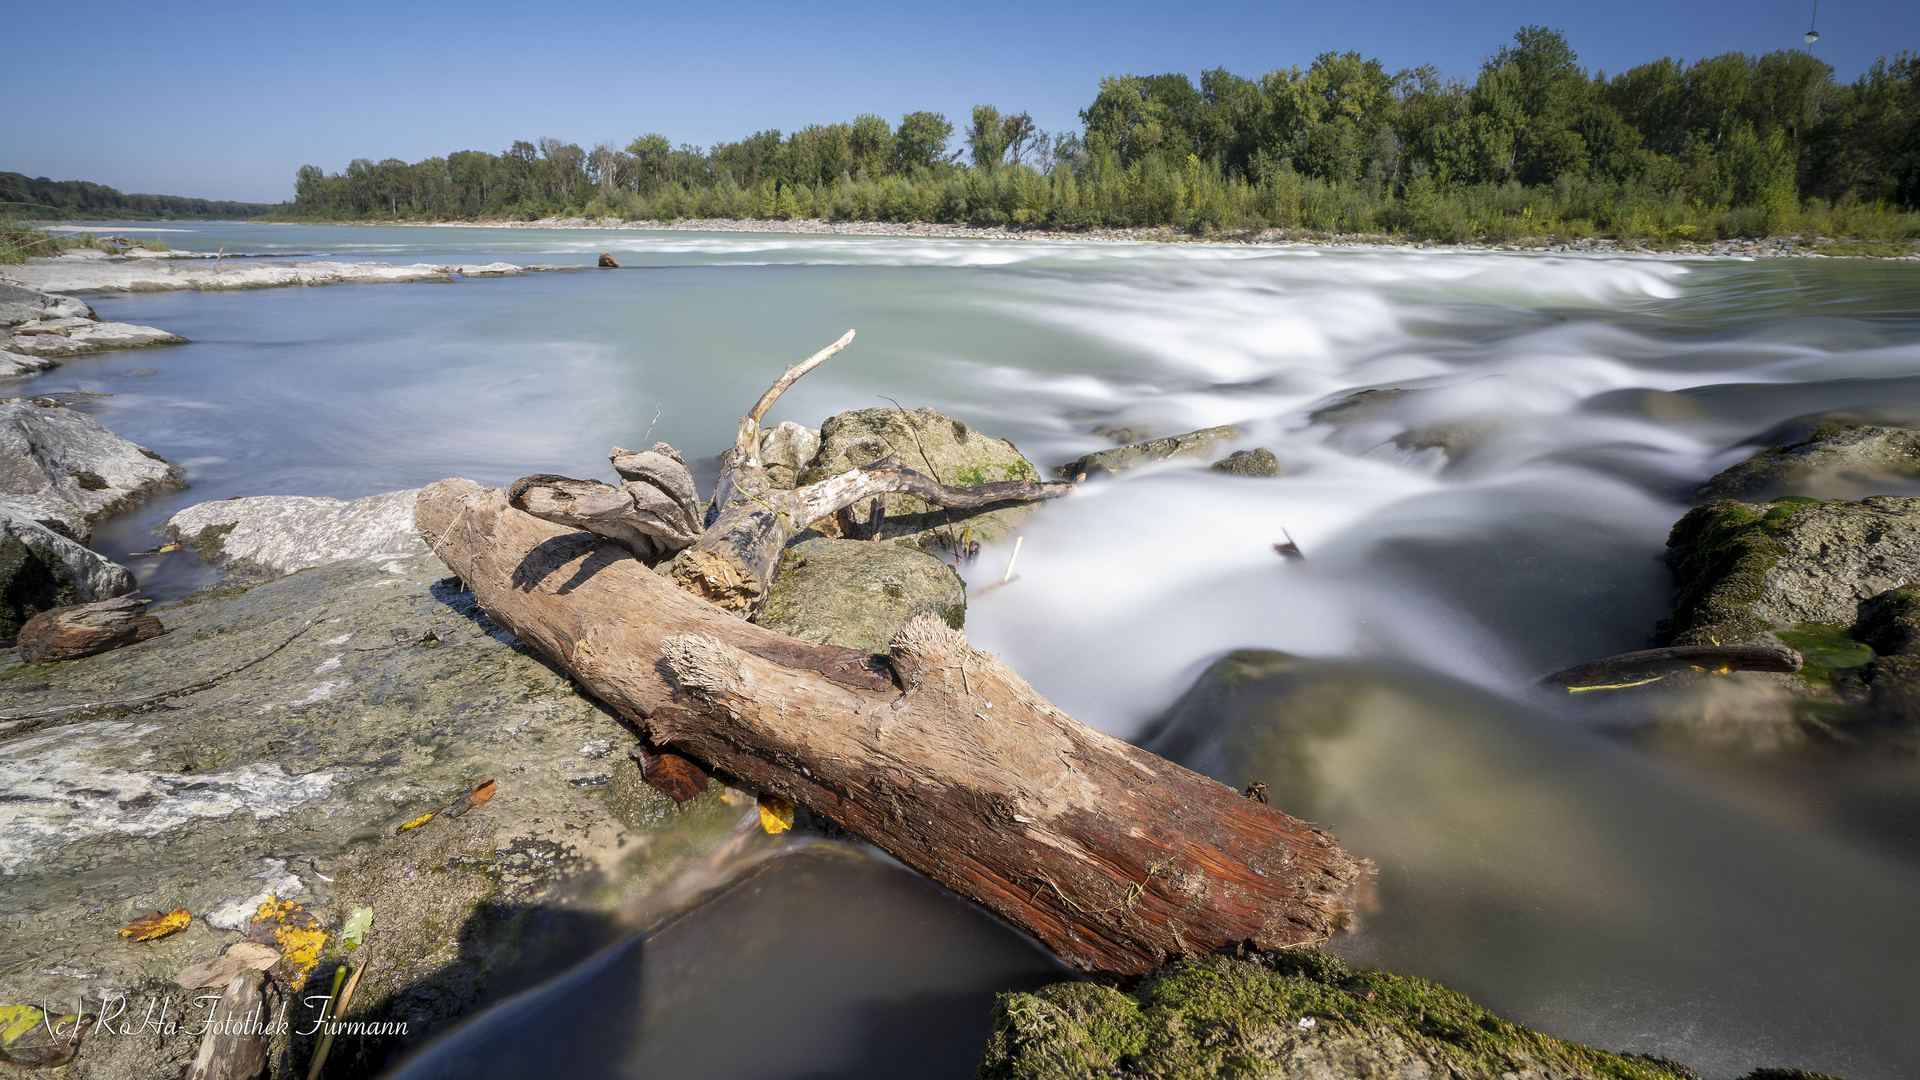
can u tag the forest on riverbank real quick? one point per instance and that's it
(1534, 145)
(30, 198)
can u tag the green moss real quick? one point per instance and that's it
(1826, 649)
(1722, 552)
(1220, 1017)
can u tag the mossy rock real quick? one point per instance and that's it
(1826, 457)
(857, 592)
(1302, 1014)
(934, 444)
(1193, 444)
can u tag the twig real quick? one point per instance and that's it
(150, 699)
(1008, 576)
(952, 540)
(975, 596)
(747, 442)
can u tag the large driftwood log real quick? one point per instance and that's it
(1112, 857)
(732, 562)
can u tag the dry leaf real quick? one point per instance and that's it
(670, 774)
(37, 1040)
(481, 792)
(293, 931)
(156, 925)
(256, 955)
(218, 971)
(776, 814)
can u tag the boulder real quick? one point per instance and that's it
(291, 778)
(1258, 461)
(271, 535)
(80, 337)
(1302, 1015)
(57, 453)
(786, 451)
(68, 633)
(939, 446)
(607, 262)
(13, 365)
(1825, 457)
(857, 592)
(1193, 444)
(40, 569)
(19, 305)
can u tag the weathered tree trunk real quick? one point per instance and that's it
(1112, 857)
(1627, 668)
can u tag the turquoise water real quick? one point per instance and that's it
(1606, 895)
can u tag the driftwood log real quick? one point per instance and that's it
(67, 633)
(1112, 857)
(1634, 668)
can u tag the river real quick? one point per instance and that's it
(1732, 911)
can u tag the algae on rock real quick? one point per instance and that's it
(857, 593)
(1831, 456)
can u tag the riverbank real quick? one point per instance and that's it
(1769, 247)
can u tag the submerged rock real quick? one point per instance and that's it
(1193, 444)
(857, 593)
(270, 535)
(1258, 461)
(1829, 456)
(1409, 419)
(1301, 1015)
(66, 469)
(290, 778)
(41, 569)
(934, 444)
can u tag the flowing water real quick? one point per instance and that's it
(1729, 914)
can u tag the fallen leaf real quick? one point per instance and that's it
(255, 954)
(358, 923)
(156, 925)
(776, 814)
(670, 774)
(293, 931)
(218, 971)
(417, 822)
(482, 791)
(37, 1040)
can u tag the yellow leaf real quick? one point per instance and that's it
(294, 933)
(156, 925)
(419, 821)
(776, 814)
(38, 1040)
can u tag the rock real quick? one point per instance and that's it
(20, 305)
(1409, 419)
(1256, 462)
(786, 451)
(291, 777)
(40, 569)
(1826, 457)
(271, 535)
(68, 274)
(1194, 444)
(492, 269)
(59, 453)
(931, 443)
(1301, 1015)
(607, 262)
(857, 593)
(13, 364)
(1121, 434)
(88, 337)
(68, 633)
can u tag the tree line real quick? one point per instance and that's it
(1533, 145)
(40, 199)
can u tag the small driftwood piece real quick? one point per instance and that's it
(235, 1044)
(67, 633)
(732, 561)
(1634, 668)
(1112, 857)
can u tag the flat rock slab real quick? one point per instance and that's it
(857, 593)
(299, 770)
(62, 454)
(272, 535)
(69, 275)
(79, 337)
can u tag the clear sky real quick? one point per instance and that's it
(226, 100)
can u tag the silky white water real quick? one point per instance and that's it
(1595, 394)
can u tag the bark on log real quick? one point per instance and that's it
(1112, 857)
(235, 1044)
(1628, 667)
(65, 633)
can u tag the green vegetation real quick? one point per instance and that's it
(26, 198)
(1218, 1017)
(1533, 148)
(18, 242)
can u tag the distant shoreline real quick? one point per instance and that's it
(1771, 247)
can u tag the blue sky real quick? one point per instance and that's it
(226, 100)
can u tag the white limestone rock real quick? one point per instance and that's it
(23, 305)
(40, 569)
(88, 337)
(60, 454)
(13, 365)
(69, 275)
(279, 534)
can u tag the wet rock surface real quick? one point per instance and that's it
(1409, 420)
(857, 593)
(934, 444)
(64, 469)
(1298, 1016)
(1825, 457)
(1193, 444)
(290, 778)
(270, 535)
